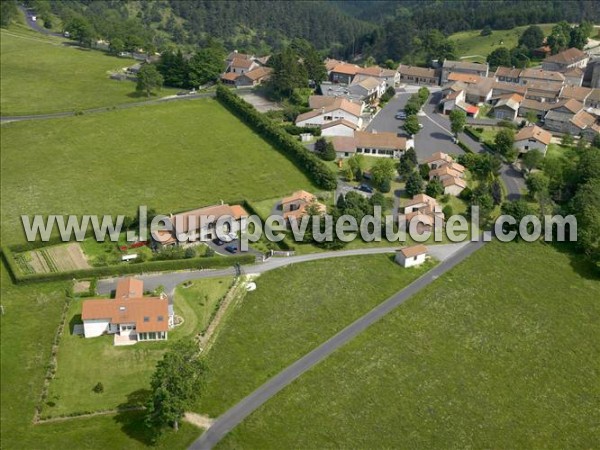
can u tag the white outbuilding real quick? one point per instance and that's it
(411, 256)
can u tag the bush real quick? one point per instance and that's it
(99, 388)
(305, 160)
(464, 146)
(507, 124)
(385, 186)
(466, 194)
(447, 211)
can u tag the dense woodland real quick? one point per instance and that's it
(411, 31)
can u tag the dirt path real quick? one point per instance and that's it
(198, 420)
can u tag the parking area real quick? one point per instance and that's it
(435, 136)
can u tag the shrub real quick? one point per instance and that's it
(447, 211)
(466, 194)
(385, 186)
(99, 388)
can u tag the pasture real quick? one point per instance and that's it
(491, 354)
(45, 74)
(170, 157)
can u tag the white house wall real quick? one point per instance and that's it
(96, 327)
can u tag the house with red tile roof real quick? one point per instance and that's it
(130, 316)
(532, 138)
(566, 60)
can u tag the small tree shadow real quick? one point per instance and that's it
(141, 95)
(132, 421)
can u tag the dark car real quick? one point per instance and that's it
(217, 241)
(365, 188)
(231, 248)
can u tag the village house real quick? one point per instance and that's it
(578, 93)
(543, 91)
(417, 75)
(567, 122)
(425, 212)
(438, 159)
(592, 101)
(339, 109)
(369, 89)
(566, 60)
(202, 224)
(130, 316)
(446, 171)
(242, 65)
(340, 127)
(344, 146)
(343, 73)
(538, 108)
(574, 77)
(456, 99)
(532, 138)
(383, 144)
(388, 76)
(462, 67)
(508, 74)
(500, 88)
(541, 75)
(332, 90)
(414, 255)
(299, 204)
(507, 107)
(253, 78)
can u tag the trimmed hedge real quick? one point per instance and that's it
(473, 134)
(296, 131)
(305, 160)
(124, 269)
(465, 147)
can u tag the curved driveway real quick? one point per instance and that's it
(171, 279)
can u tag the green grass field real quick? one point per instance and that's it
(501, 352)
(124, 371)
(292, 311)
(170, 157)
(42, 74)
(27, 327)
(470, 43)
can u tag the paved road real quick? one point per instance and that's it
(234, 416)
(171, 279)
(436, 136)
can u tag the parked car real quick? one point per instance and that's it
(218, 241)
(400, 115)
(365, 188)
(231, 248)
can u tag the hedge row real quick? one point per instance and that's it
(296, 131)
(124, 269)
(473, 133)
(305, 160)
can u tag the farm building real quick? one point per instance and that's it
(411, 256)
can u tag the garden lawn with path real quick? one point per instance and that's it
(27, 328)
(170, 157)
(124, 371)
(45, 74)
(292, 311)
(492, 354)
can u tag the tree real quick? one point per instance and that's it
(487, 31)
(559, 37)
(80, 30)
(424, 170)
(357, 165)
(567, 139)
(434, 188)
(499, 57)
(532, 159)
(414, 184)
(586, 205)
(577, 38)
(288, 73)
(329, 153)
(411, 125)
(504, 143)
(532, 37)
(206, 65)
(447, 211)
(176, 383)
(8, 12)
(458, 119)
(348, 173)
(531, 117)
(486, 167)
(116, 46)
(518, 210)
(537, 183)
(320, 145)
(148, 79)
(383, 172)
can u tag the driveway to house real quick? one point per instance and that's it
(234, 416)
(170, 280)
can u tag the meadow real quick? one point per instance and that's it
(491, 354)
(292, 311)
(477, 47)
(27, 327)
(45, 74)
(170, 157)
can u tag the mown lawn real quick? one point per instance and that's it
(501, 352)
(42, 74)
(471, 43)
(170, 157)
(31, 316)
(124, 371)
(293, 310)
